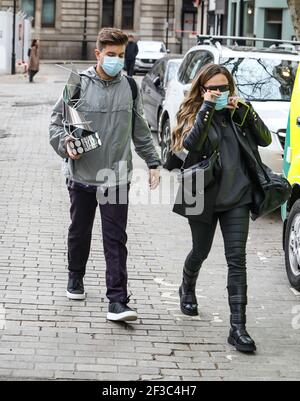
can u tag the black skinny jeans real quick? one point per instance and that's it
(235, 227)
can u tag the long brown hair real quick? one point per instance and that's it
(193, 101)
(34, 43)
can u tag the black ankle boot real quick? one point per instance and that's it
(188, 300)
(238, 335)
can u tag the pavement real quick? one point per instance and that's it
(46, 336)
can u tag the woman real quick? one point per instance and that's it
(34, 60)
(204, 123)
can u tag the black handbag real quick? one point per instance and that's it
(173, 161)
(270, 190)
(192, 183)
(273, 191)
(205, 167)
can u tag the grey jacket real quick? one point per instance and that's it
(108, 106)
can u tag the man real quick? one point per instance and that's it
(130, 55)
(106, 100)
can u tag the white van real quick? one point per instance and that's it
(264, 76)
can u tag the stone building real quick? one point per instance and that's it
(64, 27)
(260, 18)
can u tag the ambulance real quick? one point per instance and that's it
(290, 211)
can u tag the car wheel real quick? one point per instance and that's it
(292, 246)
(165, 140)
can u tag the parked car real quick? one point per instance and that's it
(290, 211)
(263, 76)
(149, 52)
(154, 86)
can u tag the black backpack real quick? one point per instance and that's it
(134, 91)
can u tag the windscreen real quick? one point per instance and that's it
(262, 79)
(153, 47)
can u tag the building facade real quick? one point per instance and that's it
(250, 18)
(212, 17)
(68, 29)
(260, 18)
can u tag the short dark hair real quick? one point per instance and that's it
(111, 36)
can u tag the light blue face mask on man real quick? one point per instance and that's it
(222, 100)
(112, 65)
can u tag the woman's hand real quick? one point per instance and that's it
(211, 96)
(232, 102)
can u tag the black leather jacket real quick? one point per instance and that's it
(203, 139)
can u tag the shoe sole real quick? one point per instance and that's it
(188, 313)
(77, 297)
(242, 348)
(122, 317)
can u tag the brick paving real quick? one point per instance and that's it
(46, 336)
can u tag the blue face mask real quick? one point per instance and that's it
(112, 66)
(222, 101)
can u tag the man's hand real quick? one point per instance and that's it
(70, 150)
(154, 178)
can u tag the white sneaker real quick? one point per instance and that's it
(118, 312)
(75, 289)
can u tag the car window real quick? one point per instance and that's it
(262, 79)
(172, 70)
(155, 69)
(158, 70)
(199, 59)
(184, 64)
(163, 48)
(161, 70)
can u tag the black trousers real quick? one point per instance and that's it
(235, 227)
(114, 223)
(129, 65)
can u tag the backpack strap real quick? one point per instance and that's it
(134, 91)
(133, 87)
